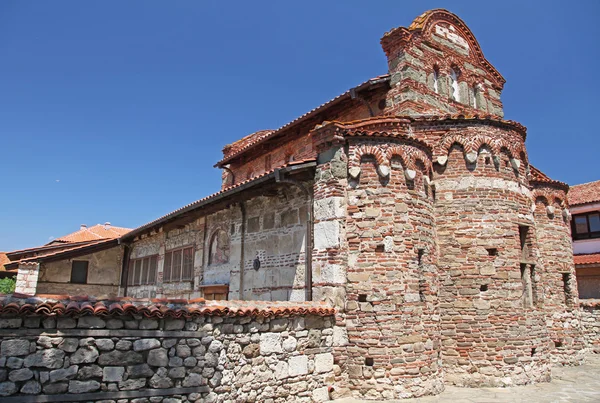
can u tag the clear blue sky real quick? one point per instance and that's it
(117, 110)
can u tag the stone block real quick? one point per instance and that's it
(158, 357)
(19, 375)
(85, 355)
(139, 371)
(146, 344)
(132, 384)
(298, 365)
(270, 343)
(83, 386)
(90, 322)
(113, 374)
(323, 362)
(50, 358)
(326, 235)
(63, 374)
(31, 388)
(16, 347)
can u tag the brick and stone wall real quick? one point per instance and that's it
(557, 281)
(195, 352)
(274, 233)
(590, 323)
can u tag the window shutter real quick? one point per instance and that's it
(188, 263)
(137, 272)
(177, 265)
(152, 271)
(167, 267)
(145, 269)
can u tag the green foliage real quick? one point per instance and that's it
(7, 285)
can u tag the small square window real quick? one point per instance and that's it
(79, 272)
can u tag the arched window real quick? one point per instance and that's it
(454, 84)
(475, 94)
(436, 75)
(218, 248)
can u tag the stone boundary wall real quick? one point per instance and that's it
(590, 322)
(120, 352)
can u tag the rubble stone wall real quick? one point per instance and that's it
(198, 359)
(590, 323)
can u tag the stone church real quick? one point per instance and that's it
(407, 203)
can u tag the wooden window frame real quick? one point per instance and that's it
(590, 234)
(140, 271)
(87, 268)
(183, 275)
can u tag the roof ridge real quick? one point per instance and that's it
(585, 183)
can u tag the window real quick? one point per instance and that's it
(586, 226)
(142, 271)
(179, 265)
(475, 96)
(525, 243)
(454, 85)
(79, 271)
(435, 79)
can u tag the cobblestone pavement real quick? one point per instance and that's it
(569, 384)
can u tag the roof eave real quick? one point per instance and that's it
(211, 200)
(346, 95)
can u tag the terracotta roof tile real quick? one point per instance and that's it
(535, 175)
(155, 308)
(234, 147)
(587, 259)
(94, 233)
(272, 133)
(3, 260)
(584, 193)
(53, 253)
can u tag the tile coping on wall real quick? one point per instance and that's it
(158, 308)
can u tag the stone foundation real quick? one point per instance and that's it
(275, 353)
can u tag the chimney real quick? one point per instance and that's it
(83, 226)
(106, 225)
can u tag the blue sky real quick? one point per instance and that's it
(116, 111)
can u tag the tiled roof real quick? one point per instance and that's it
(3, 260)
(584, 193)
(155, 308)
(535, 175)
(272, 133)
(221, 193)
(234, 147)
(94, 233)
(52, 254)
(587, 259)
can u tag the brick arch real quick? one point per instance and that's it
(479, 141)
(409, 156)
(368, 149)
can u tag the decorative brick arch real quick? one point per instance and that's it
(409, 156)
(368, 149)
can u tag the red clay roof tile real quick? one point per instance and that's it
(584, 193)
(587, 259)
(271, 133)
(94, 233)
(156, 308)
